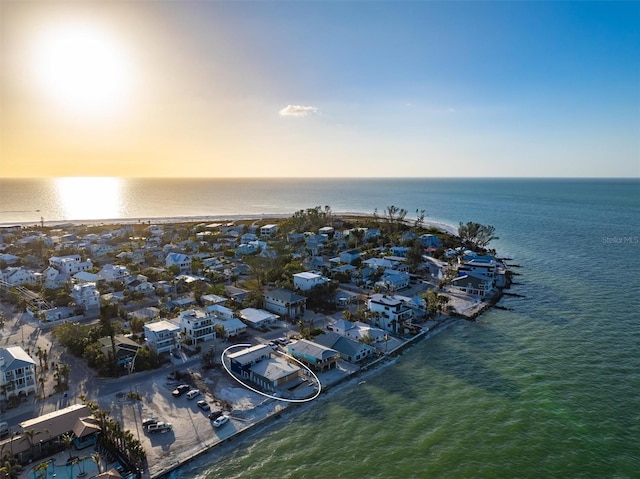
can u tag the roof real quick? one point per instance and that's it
(14, 358)
(309, 348)
(250, 355)
(384, 299)
(274, 369)
(111, 473)
(345, 346)
(284, 295)
(57, 422)
(257, 315)
(159, 326)
(307, 275)
(86, 426)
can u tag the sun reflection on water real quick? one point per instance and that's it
(90, 198)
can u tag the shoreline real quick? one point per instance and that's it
(445, 227)
(215, 450)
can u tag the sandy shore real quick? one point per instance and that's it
(204, 219)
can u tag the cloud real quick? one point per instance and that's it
(298, 110)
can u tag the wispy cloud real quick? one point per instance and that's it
(298, 110)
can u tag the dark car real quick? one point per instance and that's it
(180, 390)
(213, 415)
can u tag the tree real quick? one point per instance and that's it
(414, 255)
(476, 234)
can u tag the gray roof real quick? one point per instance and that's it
(284, 295)
(274, 369)
(345, 346)
(310, 348)
(14, 358)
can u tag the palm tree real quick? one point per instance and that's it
(67, 442)
(95, 457)
(41, 470)
(29, 434)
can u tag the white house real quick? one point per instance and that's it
(258, 318)
(139, 284)
(86, 296)
(349, 256)
(17, 371)
(70, 264)
(182, 261)
(197, 325)
(54, 279)
(389, 312)
(306, 280)
(394, 280)
(16, 276)
(161, 336)
(268, 231)
(358, 331)
(113, 272)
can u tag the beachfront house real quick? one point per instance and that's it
(349, 349)
(270, 374)
(17, 372)
(240, 362)
(317, 357)
(285, 303)
(161, 336)
(182, 261)
(389, 312)
(473, 284)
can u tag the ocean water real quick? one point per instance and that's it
(549, 388)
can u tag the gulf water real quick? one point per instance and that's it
(548, 388)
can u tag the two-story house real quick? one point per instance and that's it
(285, 303)
(314, 355)
(17, 372)
(86, 296)
(161, 336)
(182, 261)
(307, 280)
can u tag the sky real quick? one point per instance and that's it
(319, 89)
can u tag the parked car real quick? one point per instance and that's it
(159, 427)
(149, 421)
(213, 415)
(180, 390)
(193, 393)
(220, 421)
(204, 405)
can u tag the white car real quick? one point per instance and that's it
(193, 393)
(220, 421)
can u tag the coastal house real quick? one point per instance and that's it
(389, 312)
(394, 280)
(182, 261)
(268, 231)
(17, 372)
(307, 280)
(314, 355)
(285, 303)
(358, 331)
(258, 318)
(16, 276)
(240, 362)
(231, 327)
(209, 299)
(349, 256)
(349, 349)
(269, 374)
(197, 325)
(86, 296)
(161, 336)
(70, 264)
(139, 283)
(9, 259)
(113, 273)
(125, 348)
(473, 284)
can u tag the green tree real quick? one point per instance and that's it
(476, 234)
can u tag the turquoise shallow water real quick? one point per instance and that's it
(550, 388)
